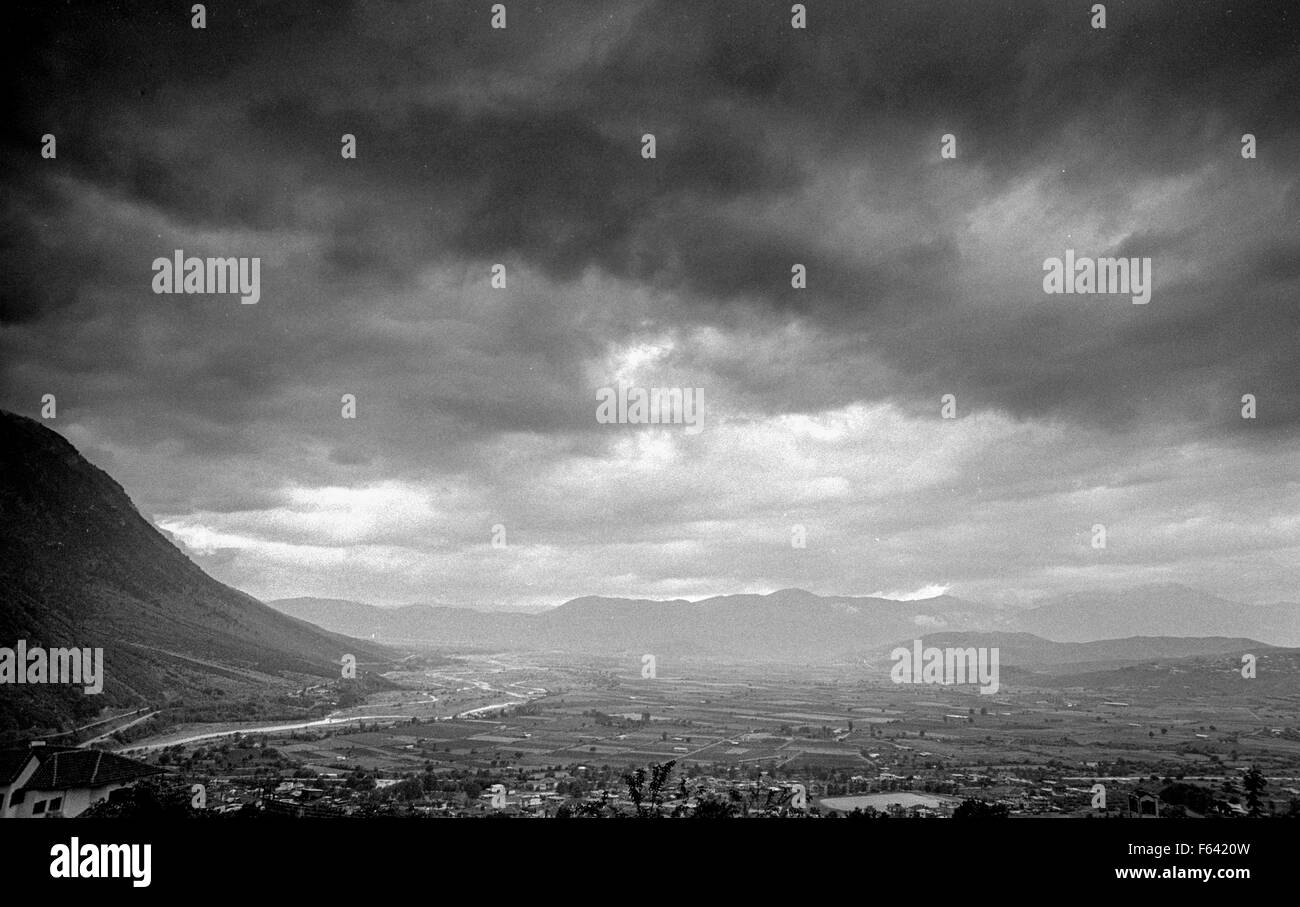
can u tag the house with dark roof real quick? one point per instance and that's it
(49, 782)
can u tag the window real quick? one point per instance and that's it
(56, 804)
(38, 808)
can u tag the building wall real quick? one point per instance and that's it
(6, 811)
(75, 801)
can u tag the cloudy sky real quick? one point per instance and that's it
(821, 406)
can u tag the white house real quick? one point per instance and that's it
(50, 782)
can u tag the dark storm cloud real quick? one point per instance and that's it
(230, 128)
(522, 147)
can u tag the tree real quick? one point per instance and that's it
(587, 809)
(1254, 782)
(869, 812)
(635, 782)
(980, 809)
(658, 778)
(148, 799)
(637, 788)
(714, 808)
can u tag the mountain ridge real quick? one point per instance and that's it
(799, 623)
(81, 566)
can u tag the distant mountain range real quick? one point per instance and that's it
(80, 567)
(794, 625)
(1168, 610)
(787, 625)
(1033, 653)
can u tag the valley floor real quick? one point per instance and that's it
(554, 731)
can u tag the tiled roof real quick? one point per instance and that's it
(86, 768)
(12, 763)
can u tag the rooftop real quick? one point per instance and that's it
(62, 770)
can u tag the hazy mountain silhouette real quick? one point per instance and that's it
(795, 625)
(1160, 610)
(1033, 653)
(80, 567)
(788, 625)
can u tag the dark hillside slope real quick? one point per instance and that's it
(79, 566)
